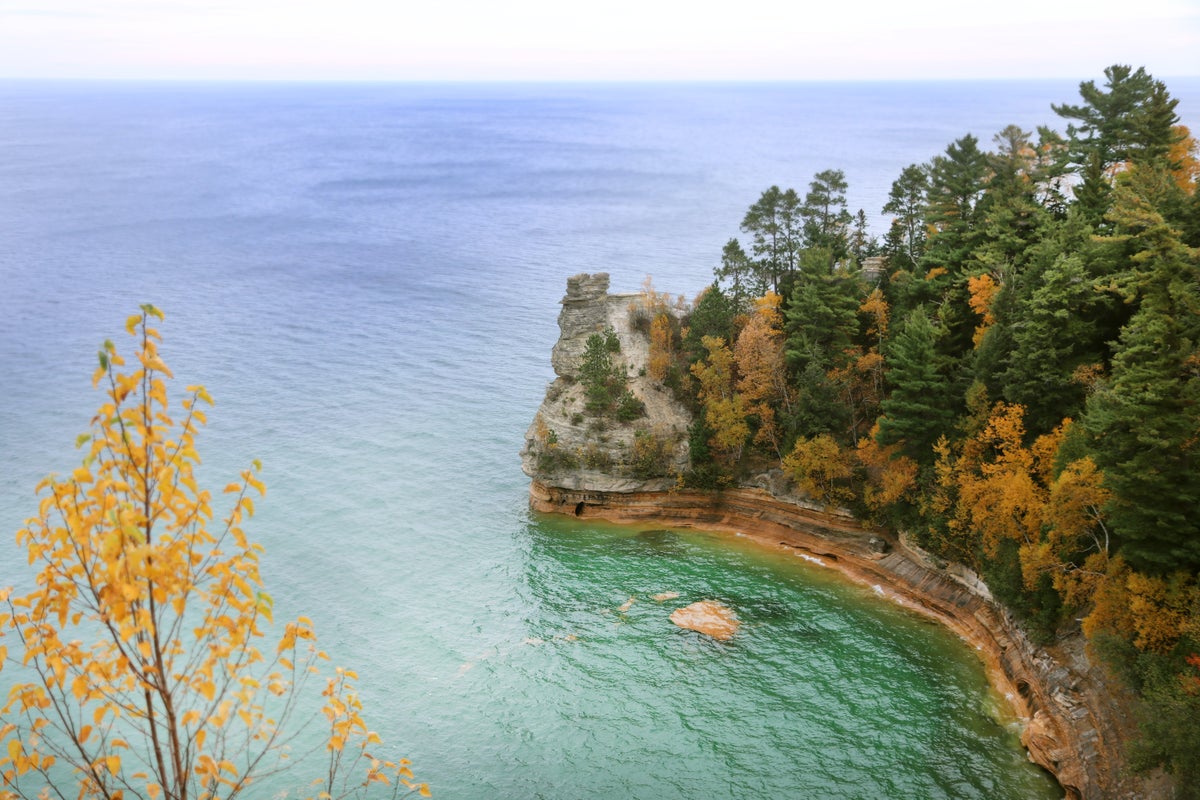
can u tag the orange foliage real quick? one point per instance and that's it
(1183, 154)
(890, 476)
(982, 289)
(1154, 612)
(860, 388)
(1000, 496)
(992, 487)
(662, 350)
(1160, 608)
(875, 307)
(762, 372)
(1110, 612)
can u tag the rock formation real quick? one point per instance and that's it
(568, 446)
(708, 617)
(1075, 720)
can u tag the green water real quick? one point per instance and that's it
(825, 691)
(366, 278)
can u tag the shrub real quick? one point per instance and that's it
(649, 455)
(630, 407)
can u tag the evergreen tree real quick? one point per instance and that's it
(919, 407)
(956, 183)
(822, 317)
(773, 223)
(906, 201)
(1133, 121)
(712, 315)
(862, 244)
(744, 281)
(826, 220)
(1144, 422)
(1054, 334)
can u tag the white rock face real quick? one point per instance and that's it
(568, 448)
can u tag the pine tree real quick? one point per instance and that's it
(826, 220)
(1132, 122)
(906, 201)
(1144, 422)
(919, 408)
(1055, 334)
(822, 318)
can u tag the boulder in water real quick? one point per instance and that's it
(708, 617)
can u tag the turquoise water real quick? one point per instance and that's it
(366, 278)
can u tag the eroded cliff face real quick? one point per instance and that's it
(1073, 725)
(1075, 722)
(568, 446)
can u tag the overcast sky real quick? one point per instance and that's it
(604, 40)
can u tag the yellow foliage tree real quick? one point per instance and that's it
(999, 494)
(891, 477)
(1162, 609)
(982, 294)
(654, 308)
(138, 669)
(724, 409)
(821, 468)
(762, 368)
(662, 347)
(1183, 158)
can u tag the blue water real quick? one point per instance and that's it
(366, 278)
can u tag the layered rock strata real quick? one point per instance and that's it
(570, 447)
(1074, 722)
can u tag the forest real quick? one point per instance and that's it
(1011, 376)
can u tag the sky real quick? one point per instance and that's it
(599, 40)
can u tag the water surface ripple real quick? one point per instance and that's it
(366, 278)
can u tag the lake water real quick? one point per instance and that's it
(366, 278)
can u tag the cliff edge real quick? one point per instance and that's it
(639, 444)
(1075, 722)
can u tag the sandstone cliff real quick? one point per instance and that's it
(570, 447)
(1075, 721)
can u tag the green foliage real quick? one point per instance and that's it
(906, 201)
(712, 315)
(1144, 420)
(1133, 121)
(1170, 737)
(1040, 608)
(603, 379)
(822, 317)
(919, 408)
(826, 220)
(703, 471)
(745, 280)
(629, 407)
(773, 224)
(1055, 273)
(649, 455)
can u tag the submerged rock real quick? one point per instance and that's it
(661, 596)
(707, 617)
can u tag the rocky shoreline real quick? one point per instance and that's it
(1072, 726)
(1075, 723)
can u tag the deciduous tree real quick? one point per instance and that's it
(138, 658)
(762, 369)
(724, 409)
